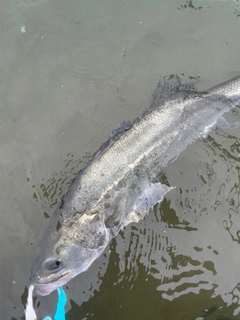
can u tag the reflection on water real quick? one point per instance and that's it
(184, 244)
(189, 4)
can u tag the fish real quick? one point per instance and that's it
(118, 185)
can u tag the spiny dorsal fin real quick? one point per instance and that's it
(124, 126)
(167, 87)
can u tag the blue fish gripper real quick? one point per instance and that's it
(60, 312)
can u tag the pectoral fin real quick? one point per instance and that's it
(152, 195)
(223, 124)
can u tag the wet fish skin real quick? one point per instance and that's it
(115, 188)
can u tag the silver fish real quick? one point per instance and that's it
(116, 187)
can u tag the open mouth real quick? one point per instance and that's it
(44, 289)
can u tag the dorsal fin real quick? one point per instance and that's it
(168, 86)
(125, 125)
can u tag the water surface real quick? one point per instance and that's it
(71, 71)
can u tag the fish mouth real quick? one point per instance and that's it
(44, 289)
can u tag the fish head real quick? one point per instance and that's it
(68, 251)
(57, 270)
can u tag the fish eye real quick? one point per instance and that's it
(53, 264)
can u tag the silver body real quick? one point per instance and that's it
(116, 187)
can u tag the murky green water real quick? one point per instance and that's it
(71, 71)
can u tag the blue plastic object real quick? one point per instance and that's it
(60, 312)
